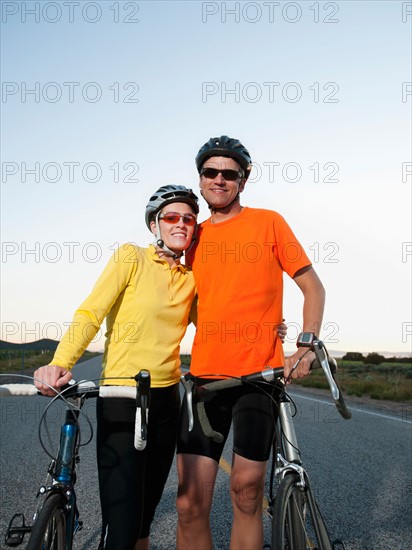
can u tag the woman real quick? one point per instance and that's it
(146, 295)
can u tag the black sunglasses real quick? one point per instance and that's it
(228, 175)
(174, 217)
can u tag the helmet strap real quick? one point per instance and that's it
(160, 243)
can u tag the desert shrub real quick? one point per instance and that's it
(374, 358)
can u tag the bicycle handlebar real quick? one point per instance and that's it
(88, 389)
(330, 368)
(270, 375)
(72, 391)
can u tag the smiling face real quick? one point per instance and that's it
(176, 235)
(219, 192)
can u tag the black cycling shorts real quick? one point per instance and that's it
(253, 414)
(131, 482)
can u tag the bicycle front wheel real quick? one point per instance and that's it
(297, 521)
(49, 529)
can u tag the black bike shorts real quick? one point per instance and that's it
(252, 413)
(131, 482)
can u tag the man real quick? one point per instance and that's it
(238, 266)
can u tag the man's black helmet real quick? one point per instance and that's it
(168, 194)
(225, 146)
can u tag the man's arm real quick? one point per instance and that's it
(313, 306)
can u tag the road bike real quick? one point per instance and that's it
(296, 520)
(57, 519)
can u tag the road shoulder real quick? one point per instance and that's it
(397, 408)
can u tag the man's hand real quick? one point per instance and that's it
(303, 367)
(54, 376)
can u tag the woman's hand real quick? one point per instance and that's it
(282, 330)
(53, 376)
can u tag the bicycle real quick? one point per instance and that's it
(56, 520)
(297, 523)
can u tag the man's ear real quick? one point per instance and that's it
(242, 185)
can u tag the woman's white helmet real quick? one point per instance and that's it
(166, 195)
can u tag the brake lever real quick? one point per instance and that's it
(188, 386)
(329, 367)
(143, 401)
(321, 356)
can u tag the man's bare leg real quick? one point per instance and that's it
(142, 544)
(246, 490)
(197, 476)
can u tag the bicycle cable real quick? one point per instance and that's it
(259, 384)
(71, 406)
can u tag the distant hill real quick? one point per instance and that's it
(339, 354)
(47, 344)
(38, 345)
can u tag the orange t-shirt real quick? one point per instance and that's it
(238, 267)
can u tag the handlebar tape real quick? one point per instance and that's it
(140, 435)
(7, 390)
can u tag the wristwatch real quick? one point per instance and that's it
(306, 339)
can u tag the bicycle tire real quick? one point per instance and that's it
(49, 529)
(297, 523)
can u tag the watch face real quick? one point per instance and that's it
(305, 339)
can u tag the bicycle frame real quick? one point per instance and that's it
(296, 518)
(61, 473)
(286, 460)
(61, 476)
(290, 460)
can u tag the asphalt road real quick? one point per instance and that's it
(361, 471)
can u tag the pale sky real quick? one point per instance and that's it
(103, 102)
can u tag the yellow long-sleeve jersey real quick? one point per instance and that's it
(146, 305)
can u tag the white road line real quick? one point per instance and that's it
(381, 415)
